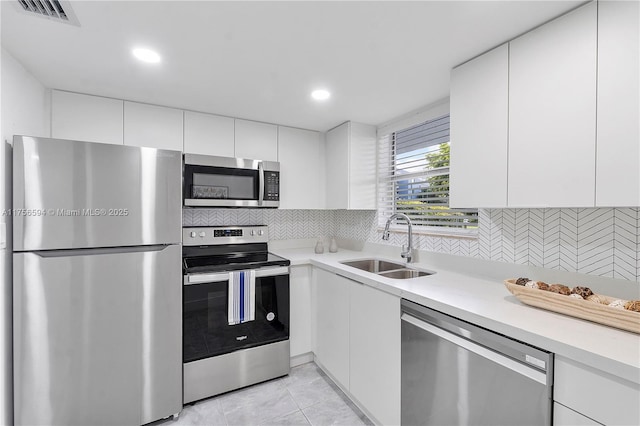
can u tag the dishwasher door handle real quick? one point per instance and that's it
(502, 360)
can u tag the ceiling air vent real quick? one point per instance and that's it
(57, 10)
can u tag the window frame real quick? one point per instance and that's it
(387, 182)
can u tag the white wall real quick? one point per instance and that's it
(24, 109)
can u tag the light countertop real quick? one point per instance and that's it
(489, 304)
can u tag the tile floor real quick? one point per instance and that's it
(305, 397)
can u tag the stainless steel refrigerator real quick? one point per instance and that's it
(97, 285)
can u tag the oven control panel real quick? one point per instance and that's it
(216, 235)
(227, 233)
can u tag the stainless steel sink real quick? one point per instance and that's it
(403, 274)
(384, 268)
(374, 265)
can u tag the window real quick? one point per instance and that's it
(413, 178)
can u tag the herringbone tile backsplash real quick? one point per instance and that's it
(602, 241)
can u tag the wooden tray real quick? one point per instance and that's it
(584, 309)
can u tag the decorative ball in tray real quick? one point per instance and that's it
(579, 302)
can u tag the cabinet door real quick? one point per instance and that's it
(300, 324)
(479, 131)
(332, 324)
(563, 416)
(362, 166)
(257, 141)
(552, 113)
(152, 126)
(208, 134)
(618, 153)
(337, 166)
(374, 348)
(301, 157)
(598, 395)
(86, 118)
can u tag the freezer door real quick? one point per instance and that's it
(97, 336)
(70, 194)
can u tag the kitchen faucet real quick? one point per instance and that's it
(406, 250)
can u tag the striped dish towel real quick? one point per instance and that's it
(242, 296)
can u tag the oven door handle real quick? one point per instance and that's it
(224, 276)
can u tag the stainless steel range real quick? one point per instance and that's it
(235, 310)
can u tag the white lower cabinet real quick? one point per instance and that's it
(300, 319)
(563, 416)
(594, 394)
(357, 342)
(374, 351)
(332, 324)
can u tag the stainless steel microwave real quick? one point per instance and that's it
(211, 181)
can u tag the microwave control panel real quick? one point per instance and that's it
(271, 186)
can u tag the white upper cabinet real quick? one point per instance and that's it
(552, 113)
(86, 118)
(256, 141)
(618, 143)
(479, 130)
(302, 175)
(152, 126)
(351, 167)
(337, 144)
(208, 134)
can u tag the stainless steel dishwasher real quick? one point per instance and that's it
(456, 373)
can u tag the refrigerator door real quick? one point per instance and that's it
(70, 194)
(97, 336)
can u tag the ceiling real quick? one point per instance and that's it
(260, 60)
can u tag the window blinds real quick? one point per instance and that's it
(413, 171)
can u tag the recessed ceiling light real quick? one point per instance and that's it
(320, 95)
(146, 55)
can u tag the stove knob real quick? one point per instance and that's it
(253, 233)
(202, 234)
(193, 234)
(261, 232)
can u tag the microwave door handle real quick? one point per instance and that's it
(261, 183)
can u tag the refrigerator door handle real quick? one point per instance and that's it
(100, 251)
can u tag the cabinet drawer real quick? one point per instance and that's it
(598, 395)
(563, 416)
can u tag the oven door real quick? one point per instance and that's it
(206, 330)
(230, 182)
